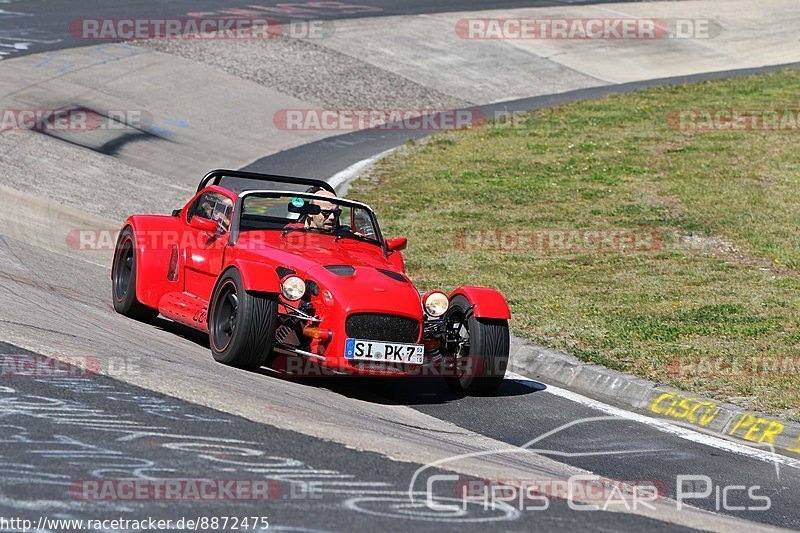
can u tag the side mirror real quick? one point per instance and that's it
(203, 224)
(395, 245)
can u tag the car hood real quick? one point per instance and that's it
(302, 251)
(366, 289)
(358, 274)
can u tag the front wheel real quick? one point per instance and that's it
(241, 325)
(480, 349)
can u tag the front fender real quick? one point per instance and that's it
(258, 277)
(488, 303)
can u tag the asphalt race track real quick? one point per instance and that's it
(317, 484)
(31, 26)
(325, 454)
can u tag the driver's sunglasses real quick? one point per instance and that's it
(328, 212)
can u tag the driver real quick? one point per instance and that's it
(328, 217)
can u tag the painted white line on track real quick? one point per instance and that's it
(344, 177)
(662, 425)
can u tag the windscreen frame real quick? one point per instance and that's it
(238, 211)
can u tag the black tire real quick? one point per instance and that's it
(481, 368)
(123, 279)
(241, 325)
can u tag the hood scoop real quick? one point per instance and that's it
(341, 270)
(347, 271)
(394, 275)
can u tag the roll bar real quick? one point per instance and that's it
(214, 177)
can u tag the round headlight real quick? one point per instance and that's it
(436, 303)
(293, 288)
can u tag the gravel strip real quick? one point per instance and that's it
(311, 73)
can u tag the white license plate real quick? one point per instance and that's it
(390, 352)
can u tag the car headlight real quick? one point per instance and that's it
(293, 288)
(435, 303)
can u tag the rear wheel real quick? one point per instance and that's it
(241, 325)
(123, 280)
(480, 349)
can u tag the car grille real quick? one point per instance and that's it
(378, 327)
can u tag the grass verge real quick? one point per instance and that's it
(621, 239)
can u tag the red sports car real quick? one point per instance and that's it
(275, 269)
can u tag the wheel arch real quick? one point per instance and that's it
(489, 303)
(256, 276)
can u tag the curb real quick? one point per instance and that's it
(647, 397)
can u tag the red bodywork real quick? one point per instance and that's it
(179, 265)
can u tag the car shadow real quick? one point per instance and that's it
(379, 390)
(404, 391)
(197, 337)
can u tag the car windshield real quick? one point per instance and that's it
(307, 212)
